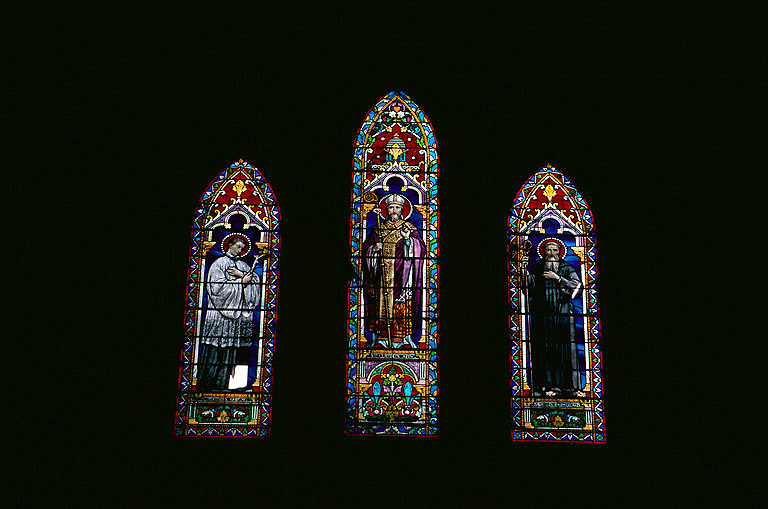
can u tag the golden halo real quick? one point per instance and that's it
(563, 248)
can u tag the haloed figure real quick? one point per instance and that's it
(394, 253)
(233, 293)
(552, 286)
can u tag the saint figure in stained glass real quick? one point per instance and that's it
(394, 252)
(233, 293)
(551, 285)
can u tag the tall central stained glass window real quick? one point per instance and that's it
(392, 313)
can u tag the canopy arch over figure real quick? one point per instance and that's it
(556, 379)
(392, 297)
(225, 379)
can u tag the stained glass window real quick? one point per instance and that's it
(392, 313)
(225, 380)
(556, 381)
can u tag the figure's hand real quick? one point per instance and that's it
(248, 277)
(550, 275)
(405, 233)
(378, 247)
(233, 271)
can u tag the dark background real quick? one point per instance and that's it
(146, 114)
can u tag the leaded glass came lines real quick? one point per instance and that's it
(556, 379)
(225, 379)
(392, 331)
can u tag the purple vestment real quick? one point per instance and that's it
(393, 277)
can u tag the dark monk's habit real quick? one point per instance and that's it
(554, 355)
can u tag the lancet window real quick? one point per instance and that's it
(392, 328)
(225, 379)
(554, 323)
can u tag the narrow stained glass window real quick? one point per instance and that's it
(225, 380)
(392, 317)
(556, 381)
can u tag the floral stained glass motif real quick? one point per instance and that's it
(392, 312)
(225, 380)
(556, 379)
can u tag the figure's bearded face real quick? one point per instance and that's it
(394, 211)
(552, 251)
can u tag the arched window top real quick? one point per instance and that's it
(392, 331)
(555, 360)
(396, 109)
(546, 193)
(239, 188)
(225, 379)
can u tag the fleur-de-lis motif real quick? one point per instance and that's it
(549, 192)
(239, 187)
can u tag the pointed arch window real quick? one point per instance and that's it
(556, 380)
(392, 312)
(225, 380)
